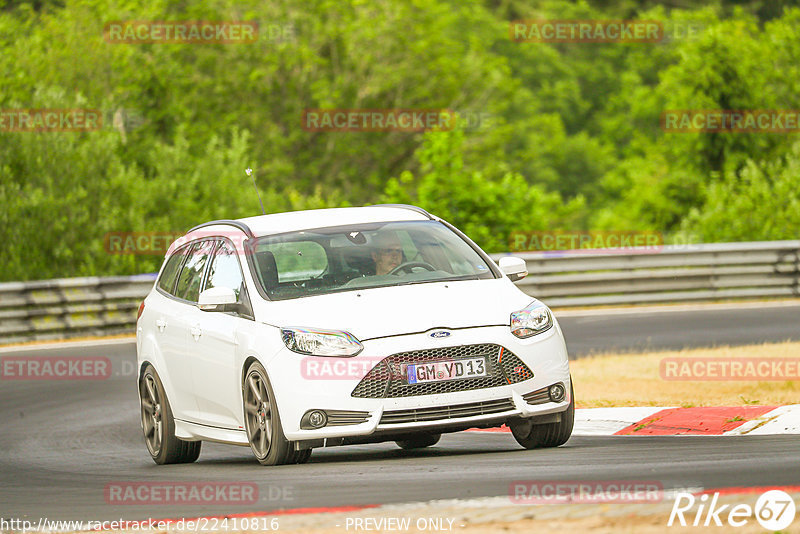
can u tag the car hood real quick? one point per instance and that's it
(388, 311)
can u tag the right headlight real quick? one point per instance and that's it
(533, 319)
(316, 342)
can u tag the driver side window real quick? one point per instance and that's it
(191, 276)
(224, 270)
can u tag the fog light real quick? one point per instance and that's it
(317, 419)
(557, 392)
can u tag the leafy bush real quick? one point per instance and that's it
(487, 207)
(762, 202)
(572, 139)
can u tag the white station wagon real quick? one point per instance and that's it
(293, 331)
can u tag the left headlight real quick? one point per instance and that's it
(534, 319)
(315, 342)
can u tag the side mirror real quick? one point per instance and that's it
(217, 299)
(513, 267)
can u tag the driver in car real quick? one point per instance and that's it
(387, 253)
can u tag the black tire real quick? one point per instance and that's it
(547, 435)
(158, 424)
(304, 456)
(419, 441)
(262, 420)
(298, 457)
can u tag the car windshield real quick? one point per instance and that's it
(326, 260)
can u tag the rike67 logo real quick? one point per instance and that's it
(774, 510)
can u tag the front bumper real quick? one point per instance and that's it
(299, 390)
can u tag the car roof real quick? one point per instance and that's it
(277, 223)
(292, 221)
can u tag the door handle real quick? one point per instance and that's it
(161, 324)
(196, 332)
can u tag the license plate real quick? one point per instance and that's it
(418, 373)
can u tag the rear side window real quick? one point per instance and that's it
(170, 272)
(191, 276)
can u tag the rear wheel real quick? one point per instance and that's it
(533, 436)
(419, 441)
(159, 426)
(263, 424)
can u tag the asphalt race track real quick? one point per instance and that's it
(62, 442)
(640, 330)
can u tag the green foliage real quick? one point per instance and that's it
(487, 207)
(64, 192)
(762, 202)
(572, 139)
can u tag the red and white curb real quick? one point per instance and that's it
(671, 421)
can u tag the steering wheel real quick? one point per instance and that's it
(407, 266)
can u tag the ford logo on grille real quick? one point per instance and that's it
(440, 333)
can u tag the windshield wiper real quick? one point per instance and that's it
(448, 279)
(459, 278)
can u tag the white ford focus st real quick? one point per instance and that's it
(293, 331)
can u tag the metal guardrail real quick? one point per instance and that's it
(671, 274)
(58, 309)
(70, 307)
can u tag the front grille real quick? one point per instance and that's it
(387, 379)
(540, 396)
(439, 413)
(342, 417)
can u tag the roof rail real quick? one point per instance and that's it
(404, 206)
(229, 222)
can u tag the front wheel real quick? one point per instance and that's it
(263, 424)
(548, 435)
(159, 426)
